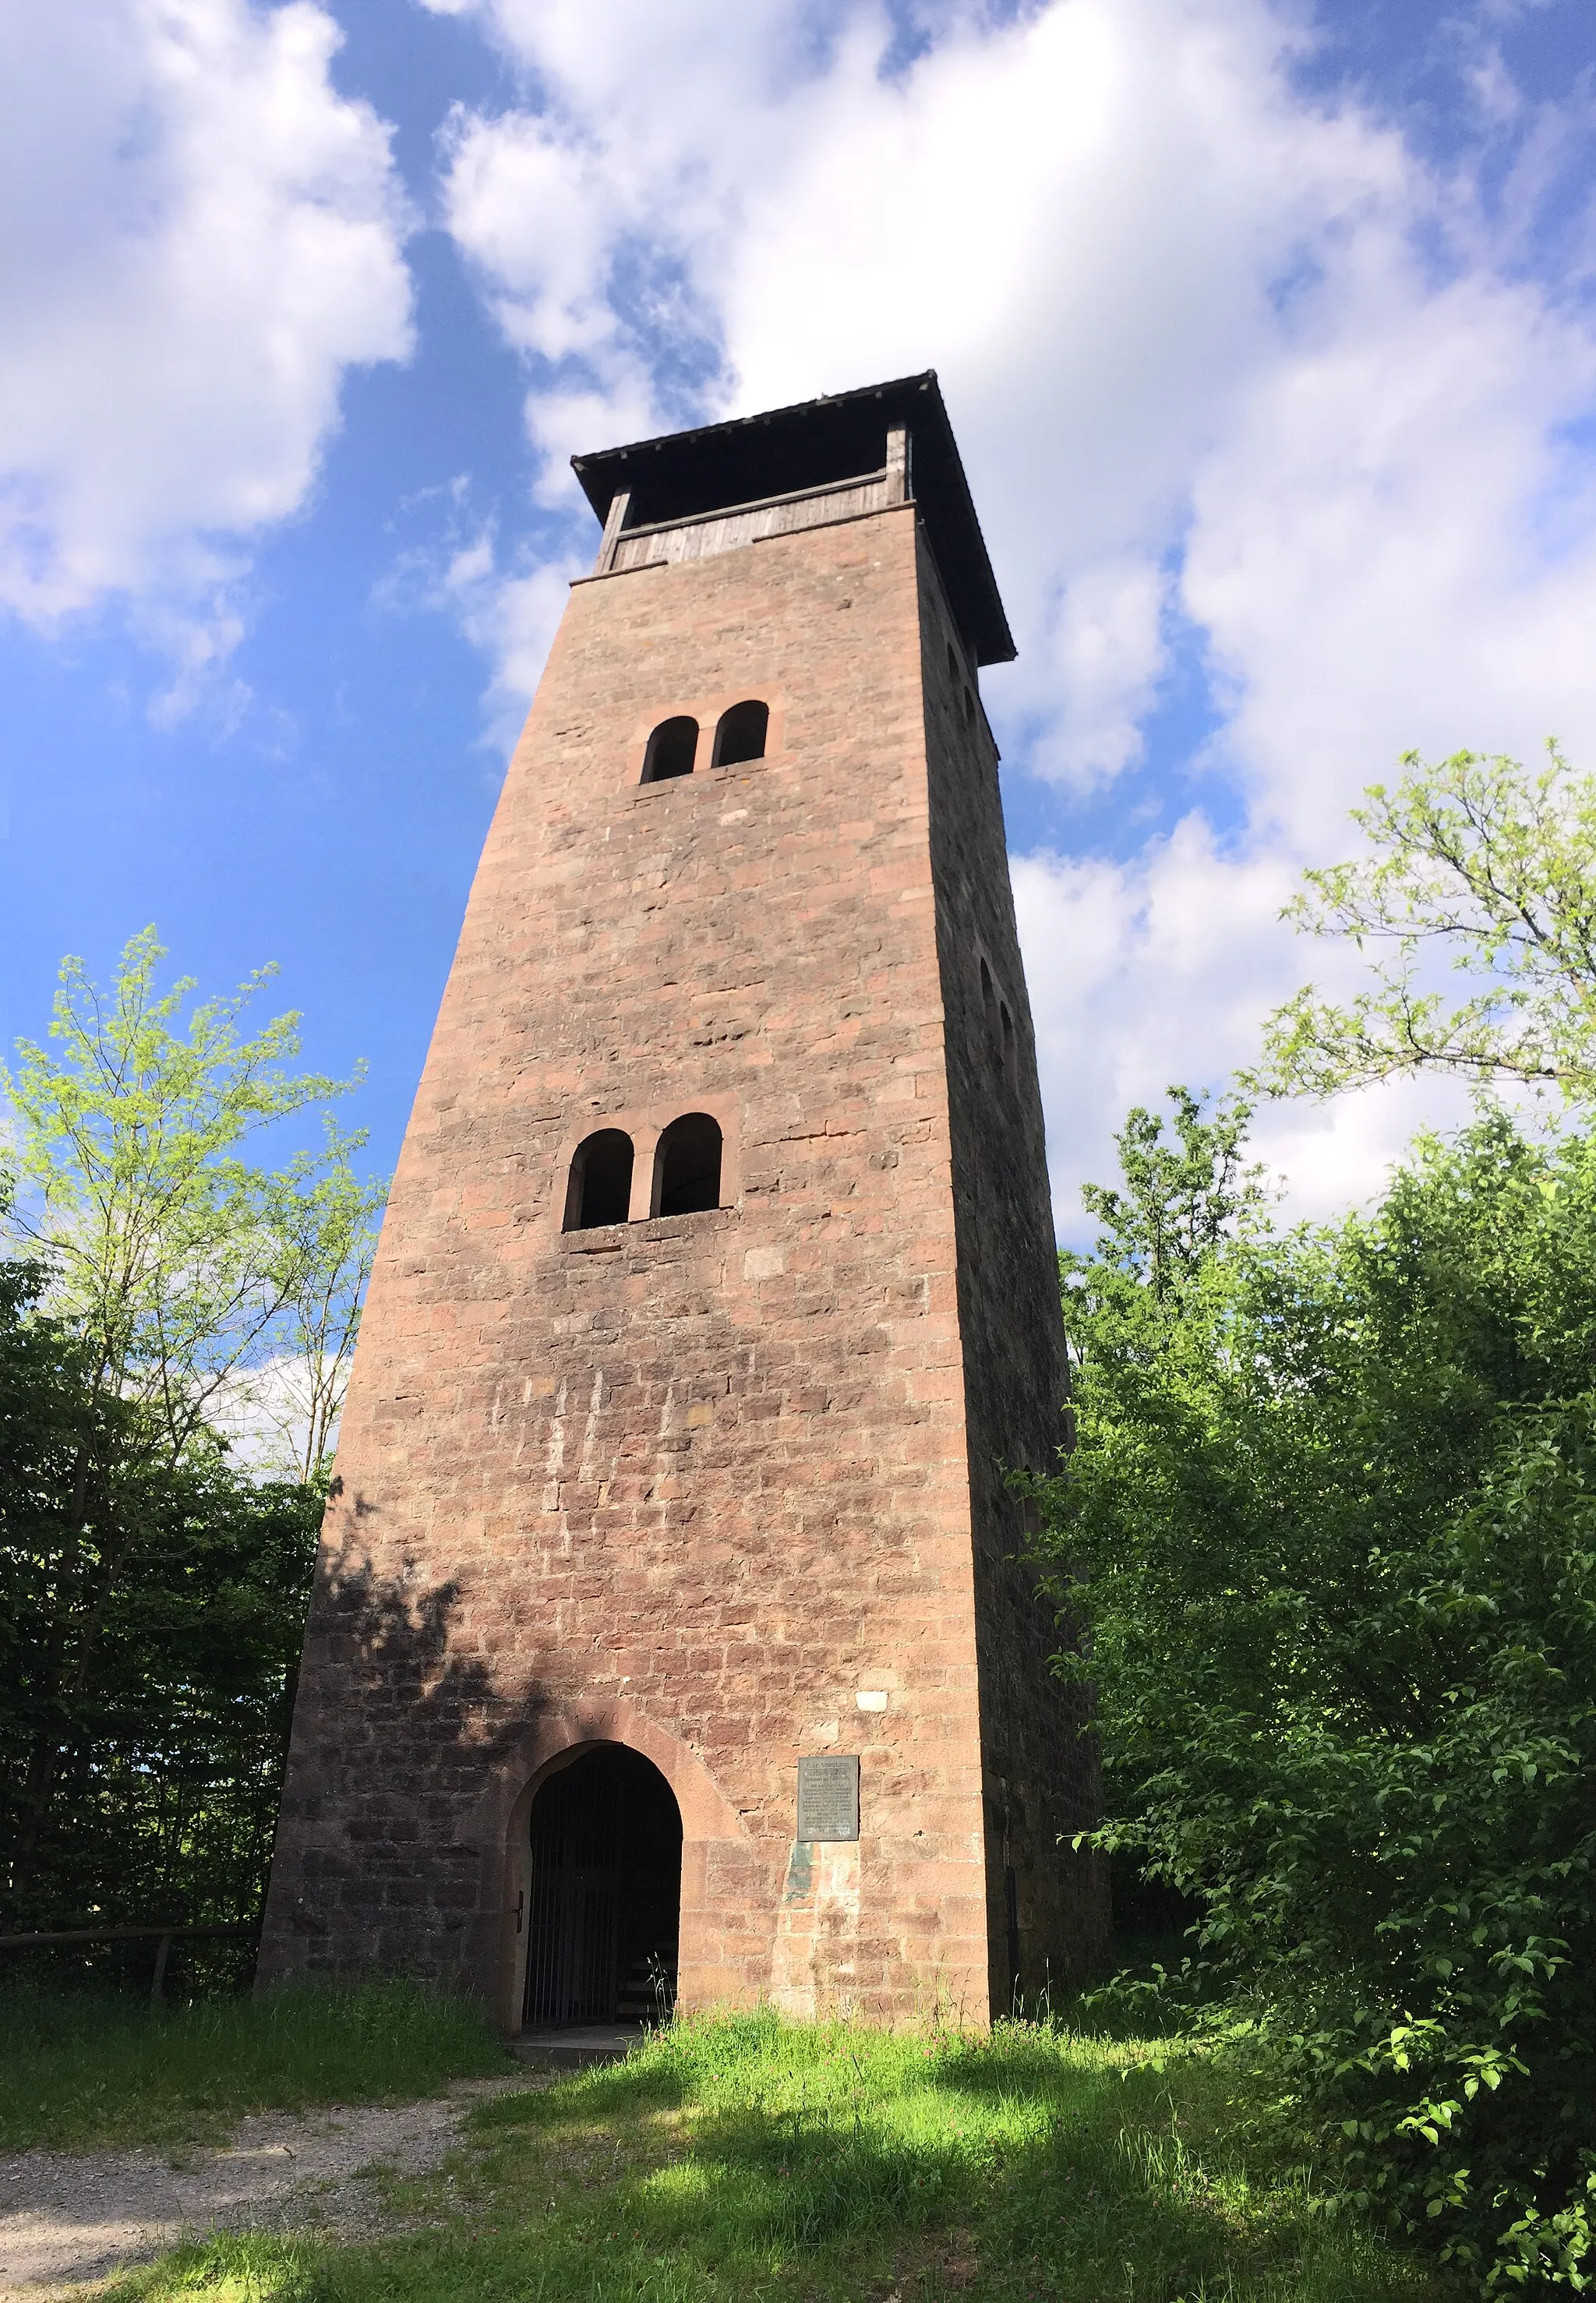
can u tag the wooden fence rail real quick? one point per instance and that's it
(161, 1937)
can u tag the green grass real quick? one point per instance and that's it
(82, 2075)
(749, 2159)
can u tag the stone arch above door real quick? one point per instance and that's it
(717, 1850)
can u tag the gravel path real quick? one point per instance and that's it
(70, 2217)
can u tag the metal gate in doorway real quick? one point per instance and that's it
(604, 1909)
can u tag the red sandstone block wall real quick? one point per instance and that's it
(1047, 1912)
(693, 1483)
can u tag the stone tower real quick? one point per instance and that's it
(668, 1637)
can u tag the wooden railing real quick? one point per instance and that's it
(162, 1937)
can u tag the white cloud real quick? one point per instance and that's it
(1215, 350)
(547, 284)
(508, 606)
(202, 237)
(1157, 972)
(1395, 546)
(1104, 652)
(1078, 219)
(1141, 975)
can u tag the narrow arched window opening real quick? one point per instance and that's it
(953, 670)
(600, 1190)
(741, 734)
(986, 990)
(671, 749)
(1008, 1031)
(686, 1174)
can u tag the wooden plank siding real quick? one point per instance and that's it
(705, 534)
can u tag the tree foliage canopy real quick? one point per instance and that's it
(152, 1596)
(1489, 867)
(150, 1619)
(185, 1271)
(1332, 1522)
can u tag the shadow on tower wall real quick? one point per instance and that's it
(390, 1845)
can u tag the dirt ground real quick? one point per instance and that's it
(68, 2218)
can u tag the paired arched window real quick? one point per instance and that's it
(686, 1173)
(670, 750)
(687, 1166)
(600, 1190)
(741, 734)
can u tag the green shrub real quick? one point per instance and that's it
(1332, 1525)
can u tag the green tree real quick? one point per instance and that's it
(150, 1619)
(153, 1597)
(1331, 1524)
(328, 1225)
(183, 1268)
(1180, 1197)
(1489, 868)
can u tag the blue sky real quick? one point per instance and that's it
(1267, 330)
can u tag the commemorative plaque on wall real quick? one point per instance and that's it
(828, 1798)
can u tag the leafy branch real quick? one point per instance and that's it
(183, 1268)
(1494, 868)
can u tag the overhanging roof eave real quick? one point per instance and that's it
(833, 437)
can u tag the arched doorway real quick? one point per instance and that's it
(605, 1892)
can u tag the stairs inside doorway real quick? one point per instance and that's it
(646, 1991)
